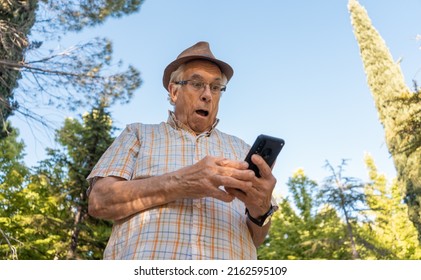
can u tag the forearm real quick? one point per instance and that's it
(113, 198)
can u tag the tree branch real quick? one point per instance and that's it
(11, 247)
(19, 66)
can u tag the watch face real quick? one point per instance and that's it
(267, 219)
(269, 215)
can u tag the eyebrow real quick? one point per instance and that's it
(199, 77)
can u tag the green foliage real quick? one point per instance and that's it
(32, 207)
(43, 215)
(389, 222)
(341, 219)
(64, 79)
(345, 195)
(40, 224)
(399, 109)
(16, 20)
(12, 176)
(83, 143)
(76, 15)
(309, 232)
(78, 77)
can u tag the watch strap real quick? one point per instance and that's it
(263, 220)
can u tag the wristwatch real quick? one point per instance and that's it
(263, 220)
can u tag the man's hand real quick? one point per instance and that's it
(114, 198)
(205, 178)
(257, 196)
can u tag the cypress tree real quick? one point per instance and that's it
(399, 109)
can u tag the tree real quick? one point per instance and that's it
(83, 143)
(302, 230)
(16, 21)
(398, 108)
(12, 176)
(38, 219)
(77, 15)
(43, 215)
(346, 196)
(373, 222)
(389, 223)
(64, 78)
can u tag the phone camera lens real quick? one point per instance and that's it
(266, 153)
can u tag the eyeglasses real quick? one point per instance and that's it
(215, 88)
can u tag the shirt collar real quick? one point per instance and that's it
(176, 124)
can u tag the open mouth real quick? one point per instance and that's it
(202, 113)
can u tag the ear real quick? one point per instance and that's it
(173, 92)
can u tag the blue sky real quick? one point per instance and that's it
(298, 74)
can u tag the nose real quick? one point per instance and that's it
(206, 95)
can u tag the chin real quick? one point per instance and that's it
(200, 129)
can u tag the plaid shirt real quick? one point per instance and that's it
(204, 228)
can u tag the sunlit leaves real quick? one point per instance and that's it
(335, 223)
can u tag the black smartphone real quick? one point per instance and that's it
(268, 147)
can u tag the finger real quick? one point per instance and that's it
(245, 188)
(223, 195)
(225, 173)
(237, 193)
(232, 182)
(232, 163)
(264, 169)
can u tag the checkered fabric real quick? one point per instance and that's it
(184, 229)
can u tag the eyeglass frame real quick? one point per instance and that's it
(203, 85)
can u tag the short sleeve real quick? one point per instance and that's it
(120, 158)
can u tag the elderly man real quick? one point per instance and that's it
(181, 189)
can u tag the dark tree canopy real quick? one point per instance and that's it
(33, 75)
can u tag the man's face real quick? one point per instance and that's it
(197, 109)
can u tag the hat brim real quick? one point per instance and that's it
(225, 67)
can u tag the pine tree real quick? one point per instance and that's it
(398, 108)
(63, 79)
(44, 215)
(16, 21)
(345, 195)
(83, 143)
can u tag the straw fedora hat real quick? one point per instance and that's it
(200, 50)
